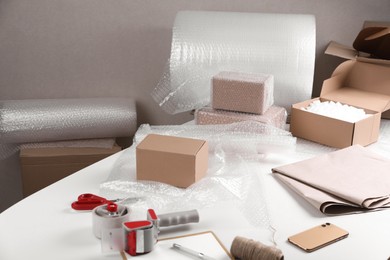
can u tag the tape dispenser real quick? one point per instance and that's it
(140, 237)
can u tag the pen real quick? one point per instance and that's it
(192, 252)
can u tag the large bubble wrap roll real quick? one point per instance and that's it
(205, 43)
(42, 120)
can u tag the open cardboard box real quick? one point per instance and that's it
(347, 52)
(361, 82)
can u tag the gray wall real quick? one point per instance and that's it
(93, 48)
(97, 48)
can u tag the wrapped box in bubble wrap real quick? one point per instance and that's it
(242, 92)
(275, 116)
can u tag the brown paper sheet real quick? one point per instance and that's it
(350, 180)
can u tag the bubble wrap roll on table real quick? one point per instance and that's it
(41, 120)
(205, 43)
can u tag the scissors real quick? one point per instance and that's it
(88, 201)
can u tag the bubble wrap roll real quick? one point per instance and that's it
(205, 43)
(275, 116)
(25, 121)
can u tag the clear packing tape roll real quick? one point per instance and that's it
(236, 153)
(205, 43)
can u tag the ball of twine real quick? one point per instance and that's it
(248, 249)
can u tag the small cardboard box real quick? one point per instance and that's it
(173, 160)
(360, 82)
(41, 167)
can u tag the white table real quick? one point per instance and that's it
(43, 226)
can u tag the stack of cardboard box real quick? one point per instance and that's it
(241, 97)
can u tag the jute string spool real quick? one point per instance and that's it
(248, 249)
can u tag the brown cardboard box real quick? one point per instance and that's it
(173, 160)
(360, 82)
(347, 52)
(44, 166)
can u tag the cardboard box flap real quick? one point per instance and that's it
(375, 24)
(358, 98)
(364, 85)
(171, 144)
(342, 51)
(349, 53)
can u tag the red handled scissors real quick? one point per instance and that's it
(88, 201)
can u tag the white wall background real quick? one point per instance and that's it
(97, 48)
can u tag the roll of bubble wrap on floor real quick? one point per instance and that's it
(43, 120)
(205, 43)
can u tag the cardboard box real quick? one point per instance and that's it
(173, 160)
(242, 92)
(360, 82)
(41, 167)
(347, 52)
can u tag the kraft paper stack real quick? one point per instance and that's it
(239, 97)
(351, 180)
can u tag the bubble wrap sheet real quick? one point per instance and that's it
(205, 43)
(25, 121)
(235, 152)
